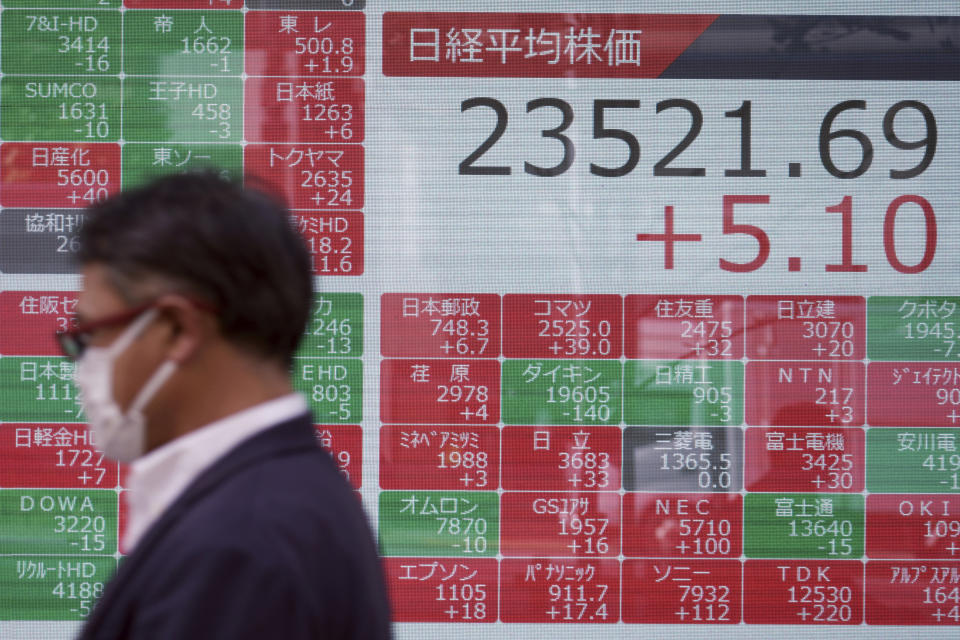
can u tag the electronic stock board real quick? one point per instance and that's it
(646, 315)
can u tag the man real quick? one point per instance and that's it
(195, 296)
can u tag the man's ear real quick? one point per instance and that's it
(191, 327)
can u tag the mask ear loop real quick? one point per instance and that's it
(157, 380)
(132, 332)
(159, 377)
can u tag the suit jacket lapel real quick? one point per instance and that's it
(295, 434)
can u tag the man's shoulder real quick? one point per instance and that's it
(266, 494)
(288, 514)
(280, 519)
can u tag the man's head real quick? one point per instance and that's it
(208, 239)
(227, 284)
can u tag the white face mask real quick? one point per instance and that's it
(121, 436)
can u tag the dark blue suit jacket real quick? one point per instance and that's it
(269, 542)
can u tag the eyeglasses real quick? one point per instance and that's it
(75, 341)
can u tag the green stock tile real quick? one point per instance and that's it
(62, 4)
(335, 327)
(803, 525)
(439, 523)
(183, 43)
(50, 42)
(52, 587)
(183, 109)
(333, 388)
(60, 109)
(683, 392)
(561, 392)
(908, 460)
(913, 328)
(144, 161)
(58, 521)
(38, 388)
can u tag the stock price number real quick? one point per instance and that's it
(473, 463)
(707, 536)
(576, 337)
(837, 467)
(335, 333)
(572, 602)
(707, 603)
(909, 203)
(586, 469)
(463, 337)
(839, 532)
(712, 337)
(590, 402)
(86, 592)
(711, 473)
(474, 531)
(467, 395)
(335, 56)
(944, 463)
(666, 166)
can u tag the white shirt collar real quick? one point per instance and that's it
(157, 479)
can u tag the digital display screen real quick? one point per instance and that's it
(629, 317)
